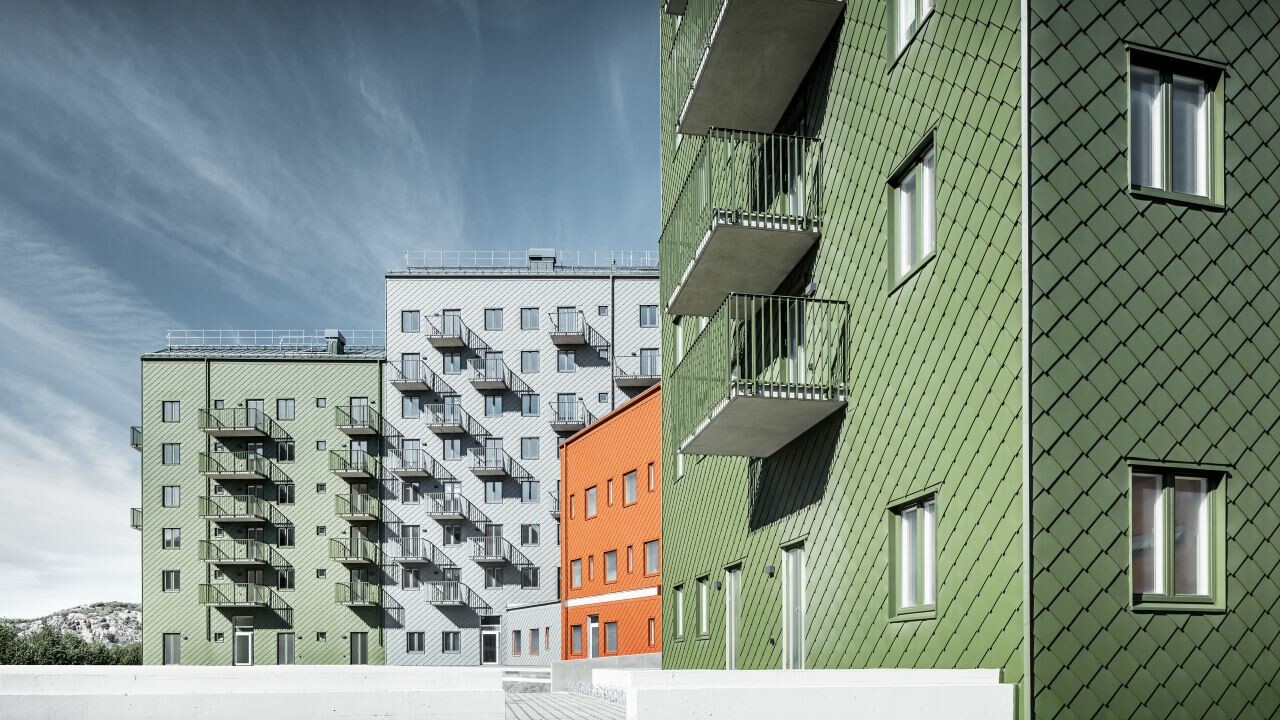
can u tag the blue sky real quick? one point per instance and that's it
(260, 165)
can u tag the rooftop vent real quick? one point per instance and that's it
(542, 258)
(336, 341)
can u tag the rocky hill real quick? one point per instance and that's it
(108, 623)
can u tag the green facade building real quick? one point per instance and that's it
(970, 318)
(261, 515)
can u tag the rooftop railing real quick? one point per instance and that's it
(281, 340)
(240, 421)
(522, 262)
(494, 371)
(453, 592)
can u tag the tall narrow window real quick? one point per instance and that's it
(914, 552)
(590, 502)
(629, 488)
(703, 607)
(913, 214)
(907, 16)
(611, 566)
(677, 601)
(793, 608)
(1171, 109)
(1175, 538)
(575, 573)
(575, 639)
(651, 557)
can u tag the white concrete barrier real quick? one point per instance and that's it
(887, 694)
(218, 693)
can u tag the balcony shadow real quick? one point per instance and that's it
(794, 477)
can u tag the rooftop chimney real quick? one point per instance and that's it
(542, 258)
(336, 341)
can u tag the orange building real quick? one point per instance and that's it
(611, 517)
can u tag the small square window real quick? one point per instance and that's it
(320, 530)
(219, 404)
(913, 579)
(410, 321)
(321, 444)
(172, 538)
(411, 406)
(321, 637)
(602, 397)
(529, 534)
(171, 411)
(219, 637)
(320, 402)
(321, 488)
(602, 310)
(320, 573)
(648, 316)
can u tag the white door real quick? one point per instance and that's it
(732, 605)
(359, 410)
(593, 635)
(242, 646)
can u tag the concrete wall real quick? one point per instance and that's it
(196, 693)
(567, 675)
(545, 618)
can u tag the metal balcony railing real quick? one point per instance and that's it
(358, 593)
(357, 507)
(493, 461)
(570, 327)
(445, 419)
(496, 549)
(135, 437)
(445, 331)
(360, 420)
(355, 464)
(353, 550)
(417, 376)
(417, 463)
(447, 506)
(234, 508)
(232, 551)
(240, 465)
(420, 550)
(748, 211)
(555, 505)
(240, 422)
(488, 374)
(637, 370)
(772, 351)
(135, 518)
(244, 595)
(569, 416)
(453, 592)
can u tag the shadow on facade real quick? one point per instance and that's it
(796, 476)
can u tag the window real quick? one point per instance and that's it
(912, 218)
(611, 637)
(410, 321)
(651, 557)
(322, 636)
(602, 310)
(452, 363)
(452, 534)
(575, 573)
(1176, 539)
(218, 404)
(913, 556)
(1172, 110)
(450, 641)
(410, 578)
(604, 355)
(529, 361)
(172, 453)
(284, 536)
(172, 538)
(677, 600)
(679, 465)
(284, 493)
(171, 580)
(652, 484)
(566, 361)
(575, 639)
(530, 448)
(172, 496)
(591, 567)
(703, 608)
(415, 642)
(452, 448)
(409, 493)
(530, 491)
(321, 445)
(529, 577)
(284, 451)
(535, 644)
(602, 397)
(529, 534)
(493, 491)
(650, 365)
(678, 325)
(590, 500)
(648, 316)
(171, 411)
(608, 493)
(320, 573)
(492, 577)
(528, 318)
(631, 559)
(411, 406)
(573, 499)
(320, 531)
(908, 15)
(284, 409)
(611, 566)
(493, 406)
(172, 649)
(529, 405)
(653, 632)
(793, 608)
(493, 319)
(629, 488)
(320, 488)
(284, 578)
(516, 645)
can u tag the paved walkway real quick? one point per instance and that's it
(560, 706)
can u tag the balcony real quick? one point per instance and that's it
(453, 420)
(448, 332)
(416, 551)
(135, 518)
(489, 550)
(742, 61)
(569, 328)
(555, 505)
(492, 375)
(244, 596)
(135, 437)
(417, 377)
(238, 465)
(418, 464)
(747, 214)
(764, 371)
(637, 372)
(361, 421)
(492, 462)
(452, 593)
(228, 552)
(357, 507)
(569, 417)
(358, 594)
(239, 422)
(353, 551)
(451, 507)
(234, 509)
(355, 465)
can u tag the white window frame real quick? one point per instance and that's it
(913, 220)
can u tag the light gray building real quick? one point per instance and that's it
(492, 359)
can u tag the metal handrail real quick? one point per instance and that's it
(574, 322)
(363, 416)
(238, 594)
(763, 346)
(135, 437)
(314, 340)
(357, 504)
(418, 460)
(442, 326)
(353, 548)
(496, 547)
(422, 549)
(358, 460)
(439, 414)
(555, 503)
(633, 366)
(135, 518)
(357, 593)
(576, 412)
(453, 591)
(494, 459)
(419, 372)
(213, 507)
(236, 418)
(453, 503)
(241, 462)
(237, 549)
(483, 368)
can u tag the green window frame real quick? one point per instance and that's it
(913, 213)
(913, 558)
(1168, 507)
